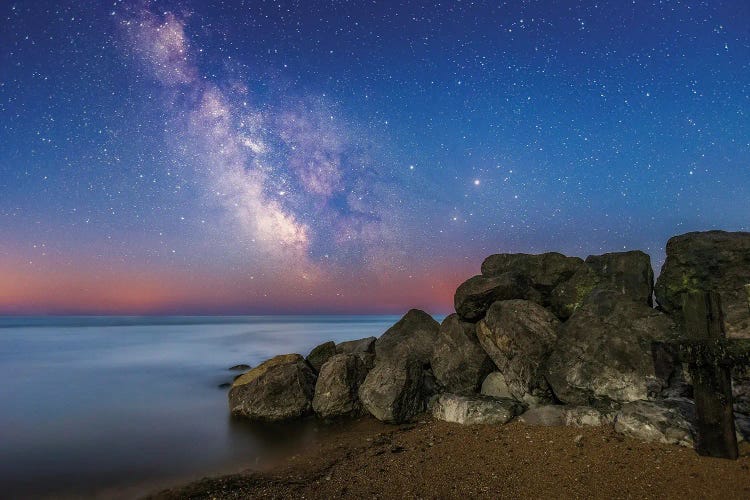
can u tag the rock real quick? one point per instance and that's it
(604, 353)
(470, 410)
(545, 271)
(278, 389)
(458, 361)
(494, 385)
(320, 354)
(583, 416)
(519, 335)
(710, 261)
(239, 368)
(413, 336)
(337, 388)
(666, 421)
(477, 294)
(545, 415)
(225, 385)
(570, 295)
(355, 346)
(628, 273)
(394, 391)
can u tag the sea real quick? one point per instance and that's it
(115, 407)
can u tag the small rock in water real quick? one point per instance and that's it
(225, 385)
(240, 367)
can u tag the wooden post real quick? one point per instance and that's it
(712, 380)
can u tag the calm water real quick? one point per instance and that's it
(95, 405)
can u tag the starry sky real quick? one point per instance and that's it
(247, 157)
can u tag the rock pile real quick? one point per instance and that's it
(553, 339)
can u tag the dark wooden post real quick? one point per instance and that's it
(712, 380)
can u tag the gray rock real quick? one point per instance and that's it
(458, 361)
(413, 336)
(713, 260)
(585, 416)
(665, 421)
(518, 335)
(337, 388)
(320, 354)
(545, 415)
(470, 410)
(276, 390)
(570, 295)
(545, 271)
(604, 352)
(628, 273)
(394, 391)
(355, 346)
(477, 294)
(494, 385)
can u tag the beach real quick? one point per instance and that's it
(434, 459)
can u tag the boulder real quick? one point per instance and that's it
(604, 352)
(629, 273)
(583, 416)
(666, 421)
(519, 335)
(545, 415)
(278, 389)
(355, 346)
(413, 336)
(458, 361)
(320, 354)
(337, 388)
(545, 271)
(471, 410)
(713, 260)
(477, 294)
(570, 295)
(494, 385)
(394, 391)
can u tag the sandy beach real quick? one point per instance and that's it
(434, 459)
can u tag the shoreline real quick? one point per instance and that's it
(431, 458)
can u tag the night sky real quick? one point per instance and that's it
(209, 157)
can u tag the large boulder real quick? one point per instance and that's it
(713, 260)
(471, 410)
(604, 352)
(394, 391)
(545, 271)
(458, 360)
(629, 273)
(356, 346)
(320, 354)
(477, 294)
(666, 421)
(519, 335)
(337, 388)
(276, 390)
(413, 336)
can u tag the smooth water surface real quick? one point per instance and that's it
(92, 404)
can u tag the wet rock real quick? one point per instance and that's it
(665, 421)
(394, 391)
(458, 360)
(337, 388)
(320, 354)
(709, 261)
(604, 352)
(413, 336)
(470, 410)
(519, 335)
(355, 346)
(276, 390)
(225, 385)
(475, 296)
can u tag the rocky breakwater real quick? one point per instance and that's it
(547, 338)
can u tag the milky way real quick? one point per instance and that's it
(240, 157)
